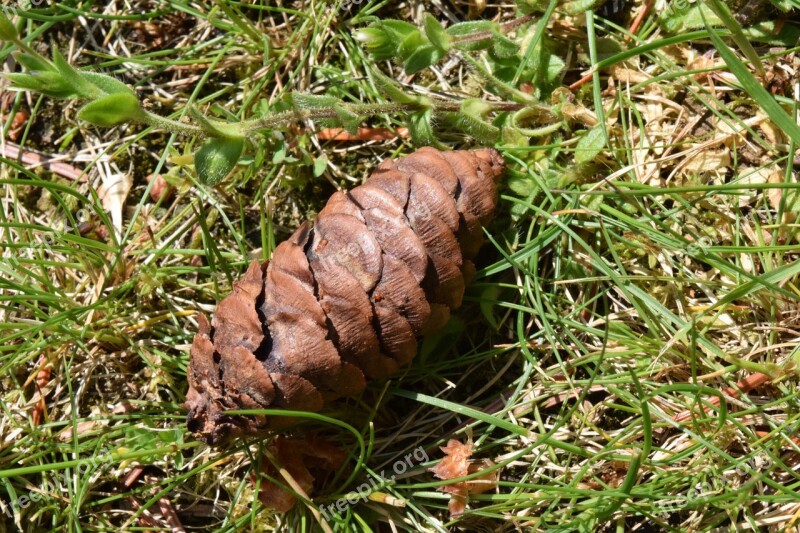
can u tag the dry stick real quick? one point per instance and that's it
(170, 515)
(795, 440)
(635, 25)
(639, 20)
(362, 134)
(31, 158)
(743, 387)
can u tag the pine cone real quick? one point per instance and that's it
(344, 300)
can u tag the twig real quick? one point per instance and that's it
(639, 20)
(35, 159)
(363, 134)
(743, 387)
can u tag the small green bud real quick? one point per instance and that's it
(371, 36)
(8, 32)
(377, 42)
(216, 159)
(111, 110)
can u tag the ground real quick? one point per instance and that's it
(625, 358)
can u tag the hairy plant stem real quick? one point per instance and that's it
(27, 49)
(172, 126)
(505, 28)
(278, 119)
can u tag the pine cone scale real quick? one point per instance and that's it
(399, 290)
(398, 240)
(430, 162)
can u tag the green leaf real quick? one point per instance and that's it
(279, 155)
(424, 57)
(472, 27)
(527, 7)
(411, 43)
(512, 136)
(785, 5)
(435, 33)
(590, 145)
(141, 438)
(503, 47)
(313, 101)
(481, 130)
(111, 110)
(547, 65)
(391, 89)
(607, 47)
(47, 83)
(576, 7)
(521, 184)
(489, 299)
(217, 158)
(780, 33)
(676, 19)
(419, 126)
(34, 62)
(400, 28)
(757, 91)
(8, 32)
(320, 164)
(347, 118)
(73, 78)
(107, 84)
(216, 128)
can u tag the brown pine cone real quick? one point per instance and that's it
(344, 300)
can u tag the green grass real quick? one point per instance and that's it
(625, 282)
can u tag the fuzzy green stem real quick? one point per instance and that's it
(365, 110)
(278, 119)
(27, 49)
(172, 126)
(480, 36)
